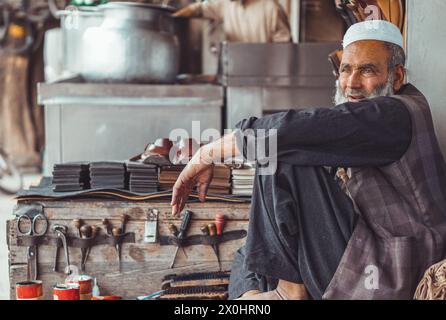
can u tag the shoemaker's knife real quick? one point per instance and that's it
(182, 233)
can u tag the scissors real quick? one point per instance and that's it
(27, 226)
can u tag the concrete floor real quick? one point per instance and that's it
(7, 203)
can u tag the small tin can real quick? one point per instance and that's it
(85, 286)
(66, 292)
(29, 290)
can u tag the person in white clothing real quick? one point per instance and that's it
(252, 21)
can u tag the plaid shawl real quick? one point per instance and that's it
(402, 226)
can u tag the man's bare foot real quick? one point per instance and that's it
(285, 291)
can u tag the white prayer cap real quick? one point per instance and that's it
(374, 30)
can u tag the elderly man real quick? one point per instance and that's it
(255, 21)
(369, 235)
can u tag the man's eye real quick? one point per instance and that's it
(368, 71)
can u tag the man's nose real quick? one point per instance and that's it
(354, 80)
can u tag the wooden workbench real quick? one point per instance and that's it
(143, 265)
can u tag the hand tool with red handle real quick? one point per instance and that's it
(220, 221)
(213, 233)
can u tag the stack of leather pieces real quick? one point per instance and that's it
(181, 154)
(221, 182)
(107, 175)
(169, 175)
(243, 180)
(68, 177)
(142, 178)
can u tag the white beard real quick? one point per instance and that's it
(382, 91)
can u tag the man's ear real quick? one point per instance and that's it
(399, 76)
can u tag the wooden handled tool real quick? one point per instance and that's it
(117, 232)
(212, 229)
(85, 232)
(204, 229)
(213, 232)
(94, 232)
(78, 224)
(173, 229)
(220, 221)
(107, 226)
(124, 218)
(187, 217)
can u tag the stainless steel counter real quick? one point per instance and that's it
(267, 78)
(86, 121)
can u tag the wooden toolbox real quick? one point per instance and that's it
(143, 264)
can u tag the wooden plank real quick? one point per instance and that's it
(17, 273)
(133, 252)
(143, 265)
(138, 210)
(136, 226)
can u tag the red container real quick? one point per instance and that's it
(66, 292)
(85, 286)
(29, 290)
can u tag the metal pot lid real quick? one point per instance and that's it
(125, 5)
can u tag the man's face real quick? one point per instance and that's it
(364, 72)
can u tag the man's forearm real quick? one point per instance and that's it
(194, 10)
(373, 132)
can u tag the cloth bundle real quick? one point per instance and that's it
(433, 284)
(243, 180)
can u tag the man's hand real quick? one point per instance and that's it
(198, 172)
(188, 11)
(200, 169)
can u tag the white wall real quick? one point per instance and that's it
(426, 51)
